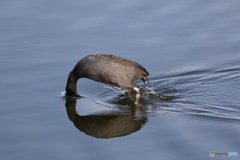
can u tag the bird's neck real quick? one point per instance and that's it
(71, 89)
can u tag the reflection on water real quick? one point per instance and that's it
(106, 124)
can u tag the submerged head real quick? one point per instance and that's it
(71, 89)
(71, 93)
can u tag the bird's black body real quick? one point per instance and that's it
(105, 68)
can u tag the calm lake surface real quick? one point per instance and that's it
(190, 48)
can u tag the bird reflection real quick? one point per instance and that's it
(107, 125)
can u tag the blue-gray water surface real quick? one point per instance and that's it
(190, 48)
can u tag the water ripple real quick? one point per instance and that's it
(204, 94)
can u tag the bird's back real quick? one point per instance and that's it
(110, 69)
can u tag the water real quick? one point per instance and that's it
(190, 48)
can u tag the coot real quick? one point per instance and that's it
(106, 68)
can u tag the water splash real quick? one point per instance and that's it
(147, 92)
(63, 93)
(116, 89)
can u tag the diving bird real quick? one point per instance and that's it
(106, 68)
